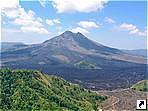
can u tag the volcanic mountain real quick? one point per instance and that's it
(73, 56)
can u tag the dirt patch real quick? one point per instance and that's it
(124, 99)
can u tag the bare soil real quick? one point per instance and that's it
(122, 100)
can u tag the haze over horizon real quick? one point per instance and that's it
(63, 33)
(102, 21)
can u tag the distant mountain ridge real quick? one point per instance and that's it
(62, 55)
(7, 46)
(137, 52)
(71, 48)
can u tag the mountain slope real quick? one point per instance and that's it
(141, 86)
(69, 48)
(32, 90)
(62, 55)
(72, 47)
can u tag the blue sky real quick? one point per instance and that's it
(118, 24)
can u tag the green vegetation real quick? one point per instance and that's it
(32, 90)
(85, 65)
(141, 86)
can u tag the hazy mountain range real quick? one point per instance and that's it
(137, 52)
(78, 59)
(7, 46)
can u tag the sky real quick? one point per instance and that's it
(117, 24)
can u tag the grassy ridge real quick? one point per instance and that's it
(32, 90)
(141, 86)
(85, 65)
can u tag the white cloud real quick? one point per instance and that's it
(79, 29)
(11, 13)
(68, 6)
(34, 29)
(133, 29)
(88, 24)
(25, 22)
(128, 26)
(39, 19)
(18, 12)
(42, 2)
(56, 21)
(49, 22)
(25, 19)
(9, 3)
(7, 30)
(52, 22)
(109, 20)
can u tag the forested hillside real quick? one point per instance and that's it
(141, 86)
(32, 90)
